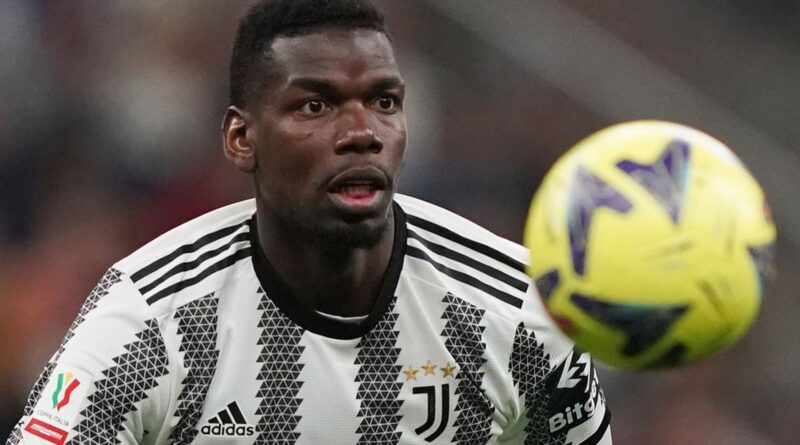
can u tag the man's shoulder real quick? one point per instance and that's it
(190, 252)
(482, 270)
(465, 259)
(431, 219)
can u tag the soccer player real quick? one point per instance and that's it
(329, 309)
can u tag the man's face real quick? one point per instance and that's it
(329, 136)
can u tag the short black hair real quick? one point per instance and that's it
(269, 19)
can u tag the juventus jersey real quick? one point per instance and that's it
(195, 339)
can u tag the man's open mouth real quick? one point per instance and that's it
(358, 189)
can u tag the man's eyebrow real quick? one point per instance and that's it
(387, 83)
(328, 89)
(319, 86)
(382, 85)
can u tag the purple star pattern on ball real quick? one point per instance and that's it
(588, 193)
(665, 179)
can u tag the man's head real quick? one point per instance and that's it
(317, 118)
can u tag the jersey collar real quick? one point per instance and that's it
(309, 319)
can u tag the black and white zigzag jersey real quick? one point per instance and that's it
(194, 339)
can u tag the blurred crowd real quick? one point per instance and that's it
(109, 135)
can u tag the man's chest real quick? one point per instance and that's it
(406, 381)
(314, 391)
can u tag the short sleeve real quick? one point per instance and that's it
(561, 400)
(92, 389)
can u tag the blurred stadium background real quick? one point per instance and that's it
(109, 117)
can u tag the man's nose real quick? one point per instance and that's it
(357, 133)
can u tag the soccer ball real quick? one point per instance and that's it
(651, 245)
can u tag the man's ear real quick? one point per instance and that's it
(239, 149)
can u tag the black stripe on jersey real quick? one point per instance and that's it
(216, 267)
(465, 278)
(378, 387)
(595, 438)
(184, 249)
(463, 335)
(189, 265)
(520, 285)
(197, 325)
(136, 371)
(529, 365)
(279, 376)
(466, 242)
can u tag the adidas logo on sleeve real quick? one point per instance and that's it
(228, 422)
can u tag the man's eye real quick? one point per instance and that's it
(313, 107)
(387, 103)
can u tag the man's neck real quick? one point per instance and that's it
(344, 281)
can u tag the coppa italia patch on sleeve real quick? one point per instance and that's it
(58, 407)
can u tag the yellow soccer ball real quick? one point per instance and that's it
(651, 245)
